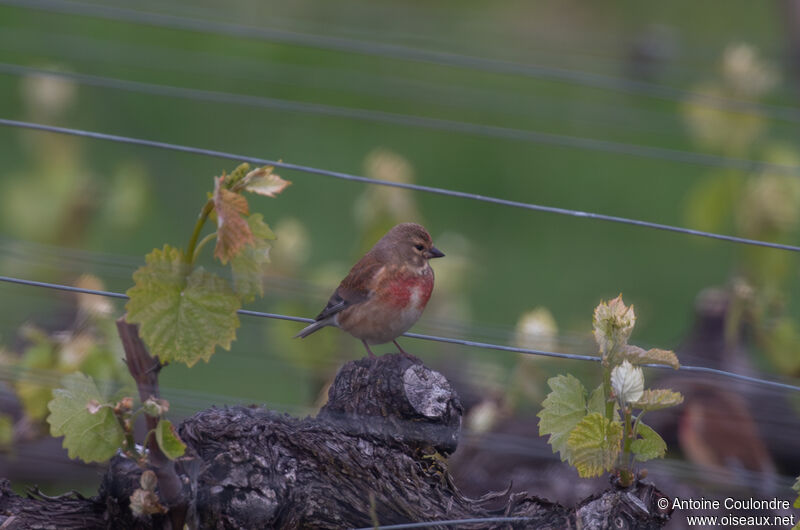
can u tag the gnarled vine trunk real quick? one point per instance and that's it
(375, 454)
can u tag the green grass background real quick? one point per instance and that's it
(517, 259)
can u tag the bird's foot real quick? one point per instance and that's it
(403, 352)
(371, 355)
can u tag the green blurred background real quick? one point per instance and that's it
(622, 72)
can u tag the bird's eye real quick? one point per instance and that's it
(419, 247)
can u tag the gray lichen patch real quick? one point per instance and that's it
(426, 390)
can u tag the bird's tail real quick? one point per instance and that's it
(311, 328)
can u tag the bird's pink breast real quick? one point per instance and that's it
(394, 307)
(416, 289)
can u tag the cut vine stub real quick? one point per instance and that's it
(396, 398)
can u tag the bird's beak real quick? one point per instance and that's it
(434, 252)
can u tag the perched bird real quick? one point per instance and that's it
(386, 291)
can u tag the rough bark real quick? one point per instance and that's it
(374, 454)
(51, 513)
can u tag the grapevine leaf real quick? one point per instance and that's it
(181, 319)
(613, 323)
(168, 440)
(649, 446)
(264, 182)
(597, 401)
(562, 409)
(155, 407)
(233, 232)
(594, 444)
(658, 399)
(259, 228)
(90, 437)
(145, 502)
(237, 175)
(627, 381)
(248, 266)
(637, 355)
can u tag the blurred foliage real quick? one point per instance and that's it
(744, 77)
(580, 37)
(537, 330)
(500, 261)
(762, 205)
(89, 345)
(57, 198)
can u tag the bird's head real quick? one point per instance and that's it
(411, 243)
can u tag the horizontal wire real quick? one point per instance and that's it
(463, 342)
(617, 117)
(20, 255)
(609, 53)
(450, 522)
(403, 185)
(61, 287)
(408, 120)
(394, 51)
(487, 345)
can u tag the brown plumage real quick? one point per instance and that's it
(386, 291)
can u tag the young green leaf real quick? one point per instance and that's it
(594, 444)
(613, 323)
(248, 265)
(264, 182)
(597, 401)
(90, 437)
(627, 381)
(145, 502)
(155, 407)
(562, 409)
(168, 440)
(637, 355)
(238, 174)
(796, 488)
(233, 232)
(649, 446)
(658, 399)
(181, 319)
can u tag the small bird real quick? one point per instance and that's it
(385, 293)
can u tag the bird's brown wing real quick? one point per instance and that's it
(355, 288)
